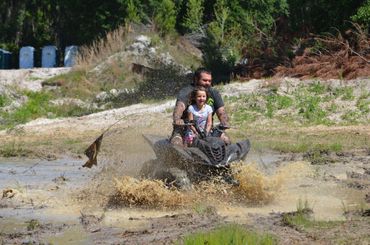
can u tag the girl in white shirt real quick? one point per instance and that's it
(200, 113)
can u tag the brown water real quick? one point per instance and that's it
(49, 191)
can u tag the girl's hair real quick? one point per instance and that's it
(193, 94)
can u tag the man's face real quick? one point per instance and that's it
(205, 80)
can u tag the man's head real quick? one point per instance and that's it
(203, 77)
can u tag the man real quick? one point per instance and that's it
(202, 77)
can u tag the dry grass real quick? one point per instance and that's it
(102, 48)
(342, 56)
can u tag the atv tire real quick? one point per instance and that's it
(148, 169)
(181, 179)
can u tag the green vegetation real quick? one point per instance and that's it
(14, 149)
(302, 221)
(203, 209)
(295, 139)
(308, 104)
(230, 28)
(38, 105)
(3, 100)
(33, 224)
(363, 102)
(230, 234)
(74, 84)
(346, 93)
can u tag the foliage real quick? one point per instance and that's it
(230, 26)
(33, 224)
(13, 149)
(306, 104)
(363, 14)
(38, 105)
(3, 100)
(302, 221)
(133, 14)
(194, 15)
(229, 234)
(320, 16)
(164, 15)
(237, 26)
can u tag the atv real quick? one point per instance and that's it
(208, 157)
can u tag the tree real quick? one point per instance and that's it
(164, 15)
(318, 16)
(194, 15)
(132, 14)
(363, 14)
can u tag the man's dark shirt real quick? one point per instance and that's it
(214, 100)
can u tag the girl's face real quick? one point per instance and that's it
(201, 98)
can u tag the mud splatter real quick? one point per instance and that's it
(146, 193)
(254, 188)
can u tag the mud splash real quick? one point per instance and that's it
(146, 193)
(254, 188)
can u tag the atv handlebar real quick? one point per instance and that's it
(220, 128)
(192, 123)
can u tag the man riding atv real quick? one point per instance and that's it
(202, 77)
(208, 156)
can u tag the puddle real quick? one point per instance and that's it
(34, 174)
(44, 189)
(72, 236)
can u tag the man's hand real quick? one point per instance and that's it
(222, 116)
(177, 113)
(178, 122)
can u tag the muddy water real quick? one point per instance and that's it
(44, 191)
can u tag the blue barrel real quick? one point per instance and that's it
(26, 57)
(70, 55)
(49, 56)
(5, 59)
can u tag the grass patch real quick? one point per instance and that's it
(4, 100)
(346, 93)
(203, 209)
(290, 139)
(230, 234)
(13, 149)
(305, 105)
(74, 84)
(301, 219)
(277, 102)
(363, 103)
(318, 88)
(38, 105)
(33, 224)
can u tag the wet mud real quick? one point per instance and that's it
(60, 202)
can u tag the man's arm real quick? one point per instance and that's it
(177, 112)
(222, 116)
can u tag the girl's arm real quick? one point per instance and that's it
(191, 118)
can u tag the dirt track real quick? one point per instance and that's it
(68, 204)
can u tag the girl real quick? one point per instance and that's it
(199, 112)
